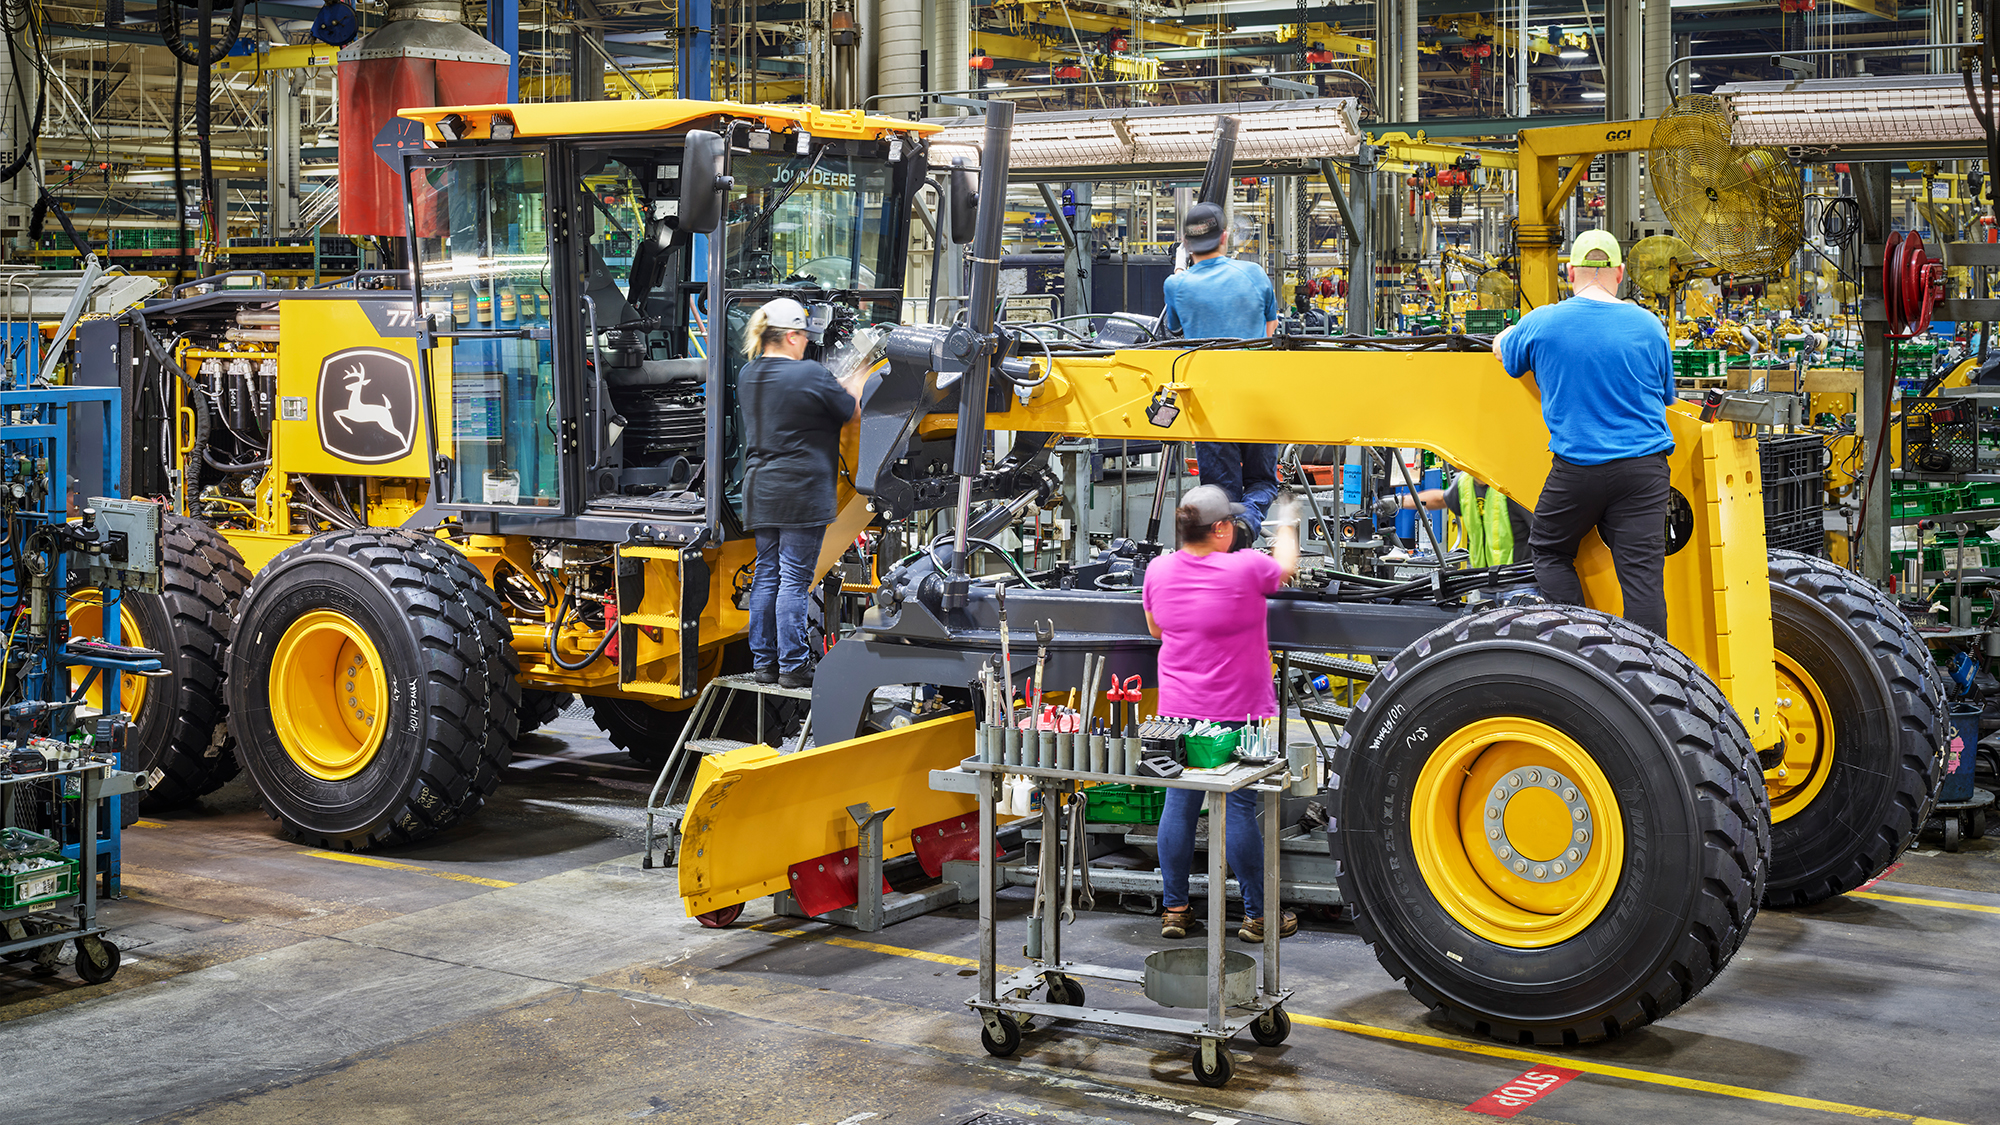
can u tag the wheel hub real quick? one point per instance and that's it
(1806, 727)
(1517, 832)
(1538, 824)
(327, 687)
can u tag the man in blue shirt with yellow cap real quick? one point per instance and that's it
(1605, 373)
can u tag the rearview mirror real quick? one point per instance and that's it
(702, 183)
(962, 201)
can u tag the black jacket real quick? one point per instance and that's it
(793, 410)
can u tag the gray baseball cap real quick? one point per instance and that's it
(1202, 227)
(1210, 504)
(785, 313)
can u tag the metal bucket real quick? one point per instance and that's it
(1178, 978)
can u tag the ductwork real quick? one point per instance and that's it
(951, 45)
(899, 38)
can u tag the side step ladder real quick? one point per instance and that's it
(699, 736)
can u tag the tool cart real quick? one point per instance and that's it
(47, 898)
(1234, 996)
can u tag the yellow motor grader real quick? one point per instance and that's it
(1552, 825)
(417, 511)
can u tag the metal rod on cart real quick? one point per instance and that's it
(1218, 895)
(988, 954)
(1274, 914)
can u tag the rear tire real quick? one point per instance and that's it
(640, 729)
(540, 708)
(391, 615)
(1840, 819)
(1636, 745)
(178, 727)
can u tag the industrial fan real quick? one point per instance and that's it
(1498, 291)
(1739, 206)
(1660, 264)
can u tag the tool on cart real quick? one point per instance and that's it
(1006, 658)
(1045, 631)
(1129, 693)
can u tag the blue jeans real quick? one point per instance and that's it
(1247, 471)
(779, 591)
(1245, 848)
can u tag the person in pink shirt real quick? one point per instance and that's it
(1206, 605)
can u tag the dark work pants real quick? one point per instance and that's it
(1247, 471)
(1626, 501)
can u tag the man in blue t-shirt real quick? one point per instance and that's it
(1606, 376)
(1218, 298)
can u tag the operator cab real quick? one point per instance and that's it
(594, 301)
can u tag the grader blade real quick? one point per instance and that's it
(754, 812)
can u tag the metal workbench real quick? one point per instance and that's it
(39, 928)
(1005, 1007)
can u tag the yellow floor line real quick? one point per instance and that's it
(147, 824)
(391, 865)
(1492, 1050)
(1925, 902)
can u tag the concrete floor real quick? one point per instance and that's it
(524, 968)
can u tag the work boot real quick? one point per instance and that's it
(802, 678)
(766, 675)
(1253, 928)
(1176, 921)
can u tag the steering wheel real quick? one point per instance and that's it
(830, 272)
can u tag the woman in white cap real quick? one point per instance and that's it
(793, 411)
(1206, 605)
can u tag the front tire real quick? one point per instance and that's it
(358, 687)
(1864, 715)
(1551, 824)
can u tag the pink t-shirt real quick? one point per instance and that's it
(1215, 650)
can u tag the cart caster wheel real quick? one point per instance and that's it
(1214, 1074)
(1272, 1028)
(1951, 833)
(87, 966)
(718, 919)
(1978, 829)
(1065, 990)
(1000, 1034)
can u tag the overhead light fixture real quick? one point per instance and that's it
(996, 83)
(1873, 110)
(1593, 95)
(1289, 132)
(1573, 53)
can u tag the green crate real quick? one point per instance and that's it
(1485, 322)
(1125, 804)
(1208, 751)
(47, 880)
(1698, 363)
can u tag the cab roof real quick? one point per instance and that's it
(557, 119)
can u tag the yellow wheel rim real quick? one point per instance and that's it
(1806, 722)
(1517, 832)
(86, 619)
(327, 691)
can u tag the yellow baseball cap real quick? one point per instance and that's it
(1596, 249)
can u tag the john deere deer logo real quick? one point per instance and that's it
(367, 405)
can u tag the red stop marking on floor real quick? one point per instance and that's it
(1891, 870)
(1522, 1092)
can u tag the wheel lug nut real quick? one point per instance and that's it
(1569, 794)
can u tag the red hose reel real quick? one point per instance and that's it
(1912, 285)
